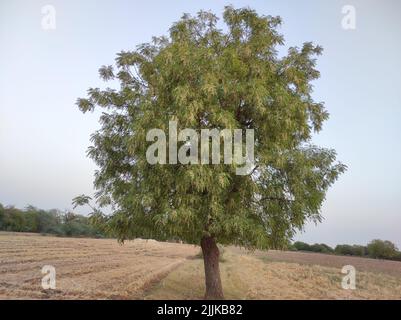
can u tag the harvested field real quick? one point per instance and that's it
(329, 260)
(85, 268)
(140, 269)
(249, 276)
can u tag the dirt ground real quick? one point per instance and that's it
(140, 269)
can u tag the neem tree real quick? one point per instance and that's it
(203, 77)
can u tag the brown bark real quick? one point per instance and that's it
(214, 290)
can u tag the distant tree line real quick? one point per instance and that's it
(378, 249)
(53, 221)
(66, 223)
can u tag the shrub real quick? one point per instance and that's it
(382, 249)
(344, 249)
(302, 246)
(322, 248)
(359, 251)
(55, 222)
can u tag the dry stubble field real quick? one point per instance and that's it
(140, 269)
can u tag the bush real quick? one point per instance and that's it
(291, 247)
(55, 222)
(375, 249)
(382, 249)
(302, 246)
(348, 250)
(344, 249)
(359, 251)
(322, 248)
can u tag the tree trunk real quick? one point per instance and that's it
(214, 290)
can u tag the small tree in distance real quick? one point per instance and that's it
(204, 77)
(382, 249)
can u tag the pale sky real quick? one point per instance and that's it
(43, 136)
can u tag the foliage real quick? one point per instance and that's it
(351, 250)
(358, 250)
(322, 248)
(382, 249)
(301, 246)
(81, 200)
(344, 249)
(375, 249)
(205, 78)
(55, 222)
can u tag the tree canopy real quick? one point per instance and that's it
(382, 249)
(204, 77)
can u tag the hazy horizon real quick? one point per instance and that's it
(44, 137)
